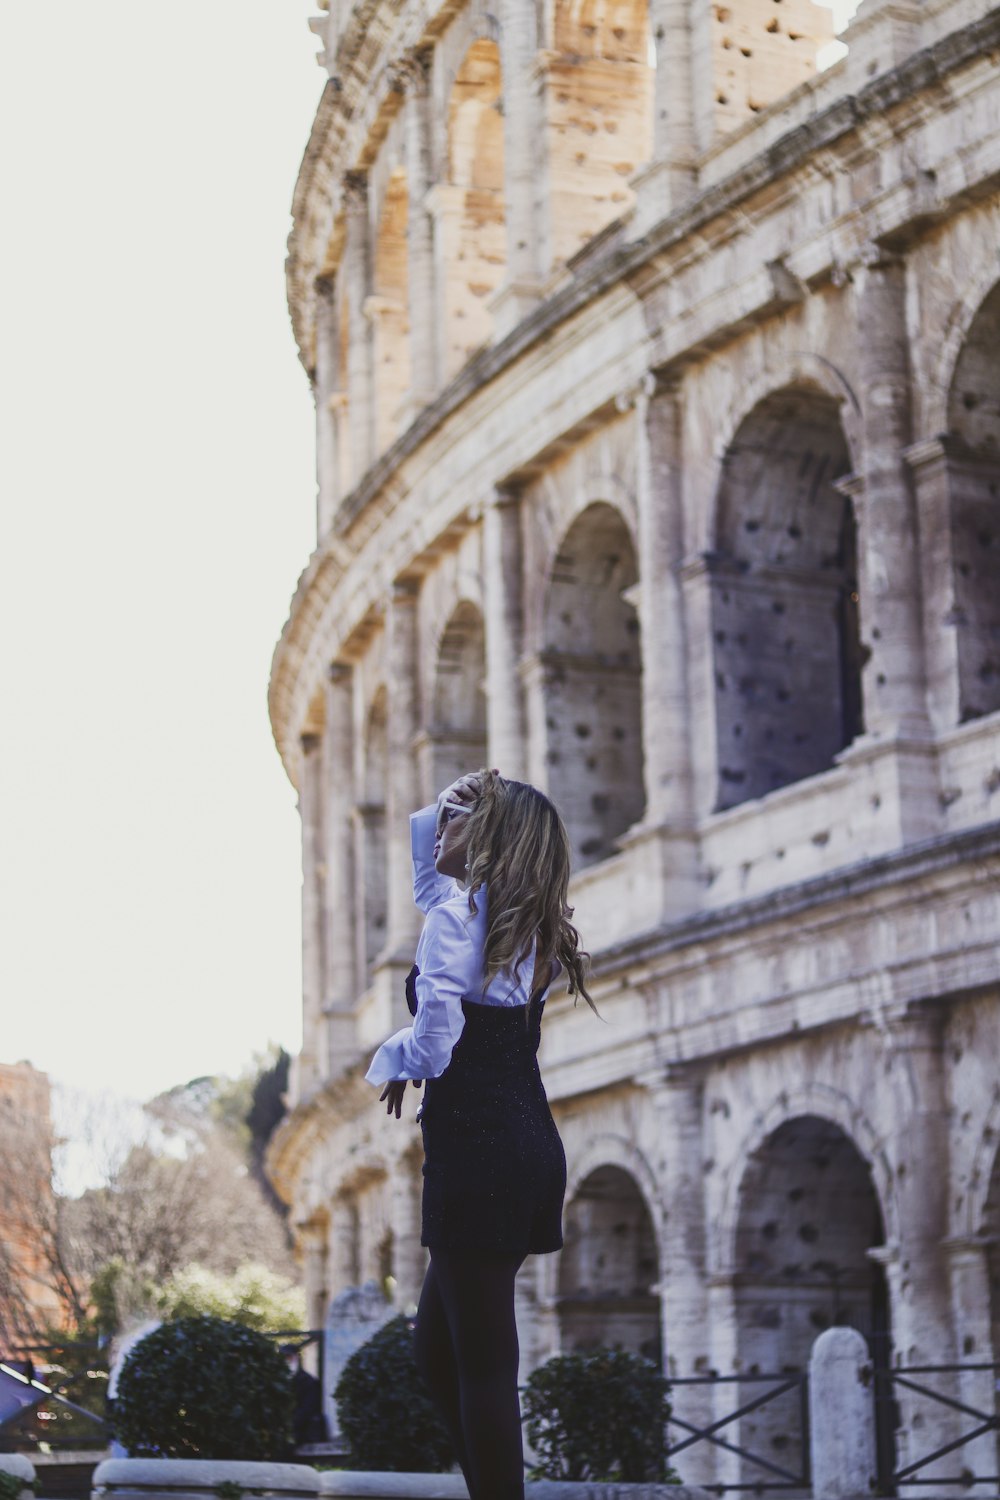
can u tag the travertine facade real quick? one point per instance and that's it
(657, 380)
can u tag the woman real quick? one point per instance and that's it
(491, 871)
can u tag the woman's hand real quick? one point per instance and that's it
(393, 1093)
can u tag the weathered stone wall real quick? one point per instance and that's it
(666, 475)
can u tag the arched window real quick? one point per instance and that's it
(786, 648)
(471, 229)
(808, 1216)
(972, 611)
(592, 675)
(458, 707)
(371, 821)
(600, 114)
(389, 311)
(609, 1268)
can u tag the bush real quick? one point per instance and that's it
(204, 1388)
(384, 1410)
(599, 1415)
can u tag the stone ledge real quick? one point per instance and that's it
(197, 1477)
(355, 1486)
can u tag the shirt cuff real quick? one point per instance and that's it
(387, 1065)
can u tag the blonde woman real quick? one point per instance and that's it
(491, 872)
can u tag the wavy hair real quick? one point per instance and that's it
(517, 850)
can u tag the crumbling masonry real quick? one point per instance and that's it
(657, 382)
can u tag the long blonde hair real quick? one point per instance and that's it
(518, 850)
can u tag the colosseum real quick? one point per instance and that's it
(655, 348)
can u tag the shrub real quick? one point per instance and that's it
(204, 1388)
(384, 1410)
(598, 1415)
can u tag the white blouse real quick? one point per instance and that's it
(450, 959)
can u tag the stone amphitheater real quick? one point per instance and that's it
(655, 350)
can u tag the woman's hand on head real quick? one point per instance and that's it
(392, 1095)
(467, 788)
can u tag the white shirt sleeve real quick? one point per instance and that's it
(429, 888)
(451, 968)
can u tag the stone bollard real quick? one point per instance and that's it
(841, 1416)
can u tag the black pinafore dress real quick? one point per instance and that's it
(494, 1166)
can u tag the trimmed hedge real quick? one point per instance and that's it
(205, 1388)
(384, 1410)
(597, 1416)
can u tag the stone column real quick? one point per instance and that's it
(525, 164)
(360, 360)
(928, 463)
(409, 1259)
(684, 1303)
(672, 175)
(325, 391)
(503, 577)
(403, 793)
(841, 1416)
(311, 814)
(312, 1238)
(343, 1249)
(969, 1281)
(341, 986)
(426, 358)
(888, 553)
(922, 1328)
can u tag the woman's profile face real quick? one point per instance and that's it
(450, 843)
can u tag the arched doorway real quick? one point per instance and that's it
(972, 520)
(592, 673)
(786, 645)
(458, 706)
(389, 310)
(808, 1217)
(609, 1268)
(991, 1235)
(470, 205)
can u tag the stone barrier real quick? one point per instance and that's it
(16, 1463)
(345, 1485)
(200, 1478)
(841, 1416)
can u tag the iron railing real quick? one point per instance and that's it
(774, 1476)
(887, 1382)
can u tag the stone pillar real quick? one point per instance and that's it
(969, 1282)
(313, 851)
(672, 175)
(403, 792)
(684, 1304)
(525, 164)
(503, 578)
(725, 1398)
(882, 35)
(922, 1327)
(312, 1238)
(343, 1249)
(426, 357)
(341, 986)
(928, 463)
(360, 354)
(326, 385)
(409, 1259)
(841, 1416)
(888, 552)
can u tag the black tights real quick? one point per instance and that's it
(466, 1351)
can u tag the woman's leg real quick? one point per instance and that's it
(477, 1294)
(435, 1359)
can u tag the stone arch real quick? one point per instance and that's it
(784, 597)
(470, 203)
(971, 517)
(371, 814)
(389, 309)
(609, 1267)
(989, 1228)
(591, 666)
(965, 309)
(458, 696)
(826, 1103)
(983, 1168)
(808, 1218)
(599, 114)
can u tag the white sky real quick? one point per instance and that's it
(156, 484)
(157, 489)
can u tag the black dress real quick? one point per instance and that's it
(494, 1166)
